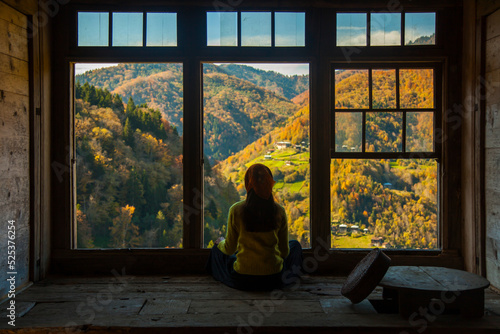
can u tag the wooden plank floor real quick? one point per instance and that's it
(198, 304)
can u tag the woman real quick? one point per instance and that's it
(256, 254)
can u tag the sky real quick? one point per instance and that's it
(286, 69)
(385, 28)
(222, 29)
(81, 68)
(161, 29)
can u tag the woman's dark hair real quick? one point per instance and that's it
(259, 214)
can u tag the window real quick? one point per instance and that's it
(385, 29)
(93, 29)
(351, 29)
(128, 134)
(161, 29)
(256, 113)
(420, 28)
(290, 29)
(374, 151)
(222, 28)
(256, 29)
(384, 162)
(127, 29)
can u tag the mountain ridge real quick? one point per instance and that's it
(237, 111)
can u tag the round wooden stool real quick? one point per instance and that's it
(434, 289)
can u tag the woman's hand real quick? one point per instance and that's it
(219, 240)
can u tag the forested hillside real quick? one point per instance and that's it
(424, 40)
(237, 111)
(290, 168)
(286, 86)
(129, 174)
(392, 199)
(395, 200)
(129, 155)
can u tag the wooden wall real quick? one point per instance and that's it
(25, 110)
(481, 158)
(14, 143)
(492, 146)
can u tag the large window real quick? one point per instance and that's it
(128, 131)
(349, 107)
(384, 186)
(256, 113)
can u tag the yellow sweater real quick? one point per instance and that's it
(259, 253)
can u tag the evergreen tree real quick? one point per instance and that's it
(118, 103)
(135, 191)
(128, 133)
(78, 90)
(130, 106)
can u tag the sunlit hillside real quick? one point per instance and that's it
(129, 154)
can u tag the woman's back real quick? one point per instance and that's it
(258, 253)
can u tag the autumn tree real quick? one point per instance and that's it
(124, 234)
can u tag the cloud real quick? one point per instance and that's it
(224, 41)
(377, 38)
(351, 28)
(289, 40)
(346, 39)
(81, 68)
(381, 37)
(286, 69)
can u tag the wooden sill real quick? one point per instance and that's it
(192, 261)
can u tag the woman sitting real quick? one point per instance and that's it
(256, 254)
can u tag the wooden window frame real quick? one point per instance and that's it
(320, 52)
(436, 111)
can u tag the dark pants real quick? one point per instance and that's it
(220, 266)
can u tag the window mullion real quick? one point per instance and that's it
(192, 137)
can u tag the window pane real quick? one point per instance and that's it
(251, 117)
(161, 29)
(348, 131)
(127, 29)
(93, 29)
(128, 155)
(416, 88)
(351, 89)
(419, 131)
(384, 203)
(384, 131)
(222, 29)
(385, 29)
(290, 29)
(383, 89)
(420, 28)
(255, 29)
(351, 29)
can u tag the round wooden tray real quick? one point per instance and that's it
(436, 288)
(366, 276)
